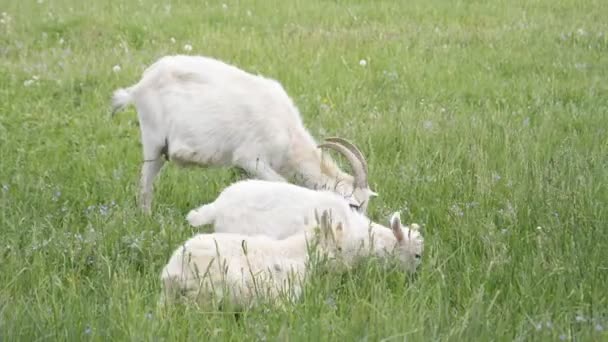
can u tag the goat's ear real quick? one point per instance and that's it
(395, 223)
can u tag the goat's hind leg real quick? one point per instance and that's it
(151, 166)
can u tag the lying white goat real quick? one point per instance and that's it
(235, 269)
(199, 110)
(238, 269)
(279, 210)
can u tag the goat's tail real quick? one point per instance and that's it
(120, 99)
(202, 215)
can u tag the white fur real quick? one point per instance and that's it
(279, 210)
(236, 269)
(214, 268)
(199, 110)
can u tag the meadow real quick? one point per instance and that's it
(483, 121)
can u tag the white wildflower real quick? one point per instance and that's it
(224, 6)
(172, 40)
(363, 62)
(28, 83)
(187, 47)
(116, 68)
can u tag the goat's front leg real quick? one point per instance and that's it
(260, 169)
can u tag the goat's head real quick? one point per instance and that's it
(356, 190)
(409, 243)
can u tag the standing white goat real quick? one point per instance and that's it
(279, 210)
(239, 269)
(199, 110)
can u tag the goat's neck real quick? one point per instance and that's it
(379, 240)
(296, 245)
(313, 168)
(320, 171)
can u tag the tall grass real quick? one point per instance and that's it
(485, 121)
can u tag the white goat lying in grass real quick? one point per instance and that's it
(237, 270)
(279, 210)
(199, 110)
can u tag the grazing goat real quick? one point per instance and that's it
(279, 210)
(237, 270)
(197, 110)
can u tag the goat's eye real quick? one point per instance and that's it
(354, 206)
(417, 256)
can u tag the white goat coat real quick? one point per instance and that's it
(279, 210)
(214, 268)
(199, 110)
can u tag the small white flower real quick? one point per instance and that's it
(599, 327)
(363, 62)
(580, 318)
(116, 68)
(28, 83)
(427, 124)
(224, 6)
(581, 32)
(172, 40)
(187, 47)
(539, 228)
(40, 2)
(248, 13)
(538, 326)
(61, 41)
(35, 77)
(5, 18)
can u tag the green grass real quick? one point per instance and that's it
(486, 121)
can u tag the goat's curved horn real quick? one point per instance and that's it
(358, 168)
(349, 145)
